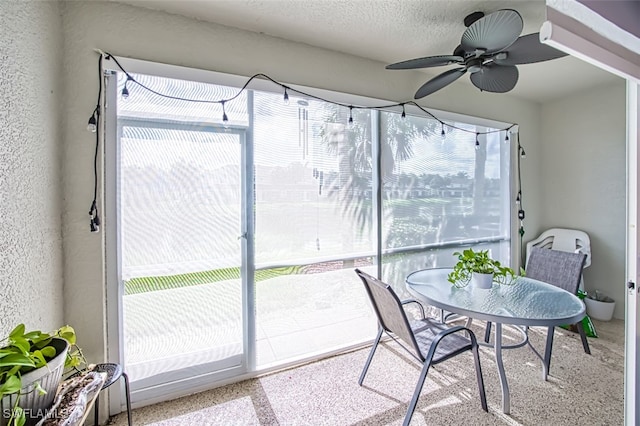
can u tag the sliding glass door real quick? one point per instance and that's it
(181, 191)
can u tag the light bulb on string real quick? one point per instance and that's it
(404, 114)
(518, 197)
(286, 97)
(225, 119)
(443, 134)
(522, 153)
(125, 91)
(92, 124)
(477, 141)
(350, 117)
(506, 138)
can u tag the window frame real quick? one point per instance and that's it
(110, 155)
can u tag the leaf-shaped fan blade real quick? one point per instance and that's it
(439, 81)
(527, 50)
(493, 32)
(429, 61)
(459, 51)
(495, 78)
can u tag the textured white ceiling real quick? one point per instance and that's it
(390, 31)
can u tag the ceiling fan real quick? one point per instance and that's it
(490, 49)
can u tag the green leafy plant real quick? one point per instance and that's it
(470, 261)
(24, 351)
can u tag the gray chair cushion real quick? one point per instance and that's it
(559, 268)
(426, 330)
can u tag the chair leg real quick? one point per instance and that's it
(128, 397)
(547, 353)
(373, 350)
(416, 393)
(487, 332)
(483, 395)
(96, 411)
(583, 337)
(96, 416)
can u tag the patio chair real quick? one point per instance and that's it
(562, 239)
(561, 269)
(427, 340)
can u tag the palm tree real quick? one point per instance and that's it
(352, 145)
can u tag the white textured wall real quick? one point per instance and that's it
(583, 180)
(31, 273)
(144, 34)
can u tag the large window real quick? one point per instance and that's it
(238, 240)
(443, 187)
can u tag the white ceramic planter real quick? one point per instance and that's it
(482, 280)
(49, 378)
(600, 310)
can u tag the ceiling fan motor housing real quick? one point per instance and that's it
(473, 64)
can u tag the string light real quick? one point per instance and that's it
(125, 91)
(92, 124)
(287, 89)
(506, 138)
(519, 199)
(225, 119)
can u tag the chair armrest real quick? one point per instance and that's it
(407, 301)
(448, 331)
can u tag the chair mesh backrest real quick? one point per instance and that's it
(391, 315)
(559, 268)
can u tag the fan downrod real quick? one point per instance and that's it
(471, 18)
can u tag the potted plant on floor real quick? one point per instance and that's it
(599, 306)
(31, 368)
(478, 267)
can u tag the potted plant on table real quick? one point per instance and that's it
(31, 368)
(479, 267)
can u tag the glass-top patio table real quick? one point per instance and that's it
(526, 302)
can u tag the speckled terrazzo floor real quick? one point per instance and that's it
(582, 390)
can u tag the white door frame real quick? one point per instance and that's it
(114, 289)
(632, 327)
(577, 30)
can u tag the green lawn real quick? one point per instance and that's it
(145, 284)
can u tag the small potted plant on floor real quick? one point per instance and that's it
(31, 368)
(478, 267)
(599, 306)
